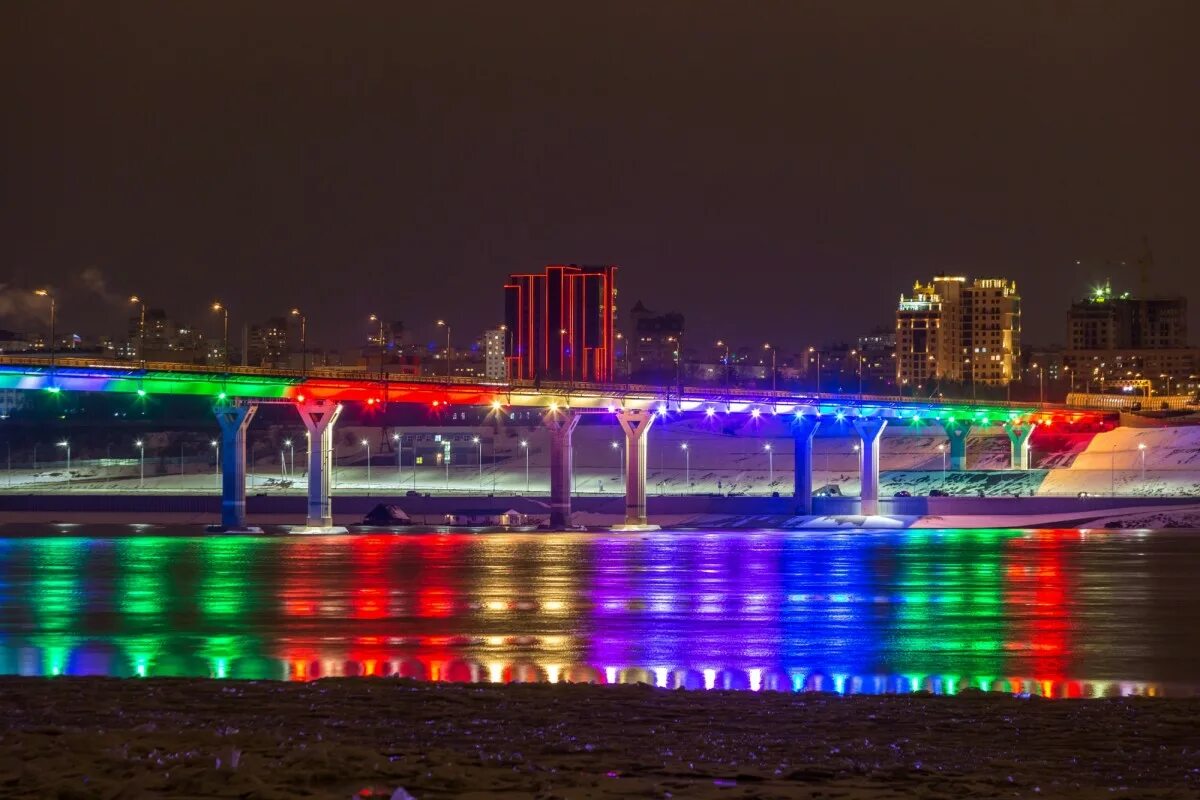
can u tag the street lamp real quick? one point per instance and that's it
(475, 440)
(942, 450)
(620, 461)
(768, 346)
(443, 324)
(859, 358)
(291, 457)
(67, 444)
(1142, 452)
(303, 340)
(1041, 383)
(46, 293)
(770, 465)
(367, 445)
(525, 447)
(399, 440)
(141, 446)
(141, 327)
(225, 335)
(216, 446)
(721, 343)
(687, 466)
(1112, 472)
(817, 353)
(382, 349)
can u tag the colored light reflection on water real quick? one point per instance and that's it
(1053, 613)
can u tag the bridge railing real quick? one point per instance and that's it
(666, 393)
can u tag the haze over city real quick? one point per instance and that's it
(779, 172)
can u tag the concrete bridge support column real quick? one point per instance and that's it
(234, 420)
(319, 418)
(1018, 438)
(869, 430)
(561, 425)
(957, 432)
(636, 423)
(802, 434)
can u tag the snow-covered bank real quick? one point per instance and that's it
(1163, 461)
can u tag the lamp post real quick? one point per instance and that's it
(620, 461)
(141, 327)
(475, 440)
(687, 467)
(46, 293)
(443, 324)
(1041, 383)
(291, 457)
(67, 444)
(1142, 453)
(382, 348)
(768, 346)
(770, 465)
(721, 343)
(399, 440)
(814, 352)
(1112, 472)
(216, 446)
(303, 340)
(525, 447)
(367, 446)
(141, 446)
(1071, 376)
(218, 306)
(942, 450)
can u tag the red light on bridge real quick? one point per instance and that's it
(299, 398)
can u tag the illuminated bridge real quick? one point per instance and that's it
(319, 394)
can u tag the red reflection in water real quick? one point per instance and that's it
(1038, 589)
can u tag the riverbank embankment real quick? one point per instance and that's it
(369, 737)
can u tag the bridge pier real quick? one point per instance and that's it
(869, 431)
(1018, 439)
(561, 425)
(957, 432)
(319, 418)
(234, 420)
(636, 424)
(803, 431)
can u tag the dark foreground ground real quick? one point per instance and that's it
(103, 738)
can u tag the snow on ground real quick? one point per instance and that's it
(717, 461)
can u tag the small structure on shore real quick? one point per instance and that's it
(476, 518)
(387, 514)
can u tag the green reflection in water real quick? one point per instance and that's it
(949, 620)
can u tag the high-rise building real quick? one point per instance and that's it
(878, 353)
(1118, 339)
(561, 323)
(959, 331)
(657, 342)
(267, 345)
(495, 368)
(1104, 322)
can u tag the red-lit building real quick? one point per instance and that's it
(560, 323)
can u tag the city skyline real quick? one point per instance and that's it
(417, 154)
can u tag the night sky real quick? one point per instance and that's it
(775, 171)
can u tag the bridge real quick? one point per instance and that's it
(319, 394)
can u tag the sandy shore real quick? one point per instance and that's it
(91, 737)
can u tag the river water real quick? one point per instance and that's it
(1054, 613)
